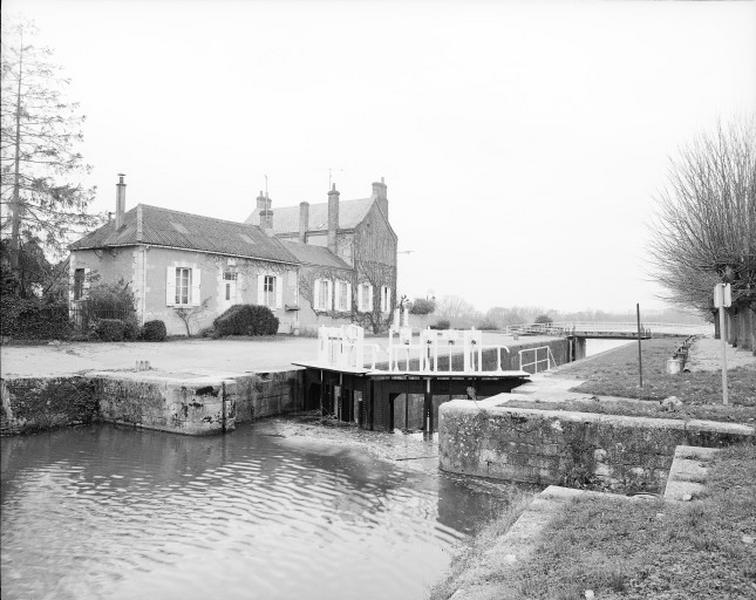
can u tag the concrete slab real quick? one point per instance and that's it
(687, 475)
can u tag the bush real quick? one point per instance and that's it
(131, 331)
(246, 319)
(486, 325)
(441, 324)
(153, 331)
(421, 306)
(33, 318)
(110, 330)
(108, 301)
(544, 319)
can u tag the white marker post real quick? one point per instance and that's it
(722, 300)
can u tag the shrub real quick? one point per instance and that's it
(108, 301)
(441, 324)
(110, 330)
(544, 319)
(131, 330)
(246, 319)
(33, 318)
(421, 306)
(486, 325)
(153, 331)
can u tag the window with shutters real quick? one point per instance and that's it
(365, 297)
(269, 290)
(342, 296)
(385, 299)
(183, 286)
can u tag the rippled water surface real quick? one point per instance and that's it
(106, 513)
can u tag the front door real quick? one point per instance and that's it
(228, 298)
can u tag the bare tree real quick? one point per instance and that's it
(189, 314)
(40, 131)
(705, 230)
(457, 311)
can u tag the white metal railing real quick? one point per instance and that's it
(341, 347)
(436, 345)
(563, 328)
(548, 358)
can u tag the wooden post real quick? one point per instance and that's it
(723, 337)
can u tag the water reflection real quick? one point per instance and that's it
(102, 512)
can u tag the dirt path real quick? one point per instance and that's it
(706, 355)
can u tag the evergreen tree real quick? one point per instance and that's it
(41, 198)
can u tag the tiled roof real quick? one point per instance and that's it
(286, 218)
(163, 227)
(315, 255)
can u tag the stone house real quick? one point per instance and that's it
(181, 264)
(348, 250)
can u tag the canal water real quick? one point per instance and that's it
(265, 512)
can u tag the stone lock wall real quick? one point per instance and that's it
(39, 403)
(189, 405)
(569, 448)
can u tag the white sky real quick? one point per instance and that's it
(522, 142)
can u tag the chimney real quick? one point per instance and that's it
(263, 203)
(379, 194)
(120, 201)
(333, 217)
(266, 220)
(304, 221)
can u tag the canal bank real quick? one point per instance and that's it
(197, 399)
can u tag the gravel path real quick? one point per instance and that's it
(706, 355)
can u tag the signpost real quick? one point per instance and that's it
(722, 300)
(640, 359)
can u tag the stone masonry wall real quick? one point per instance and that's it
(38, 403)
(187, 405)
(569, 448)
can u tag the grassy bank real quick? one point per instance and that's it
(636, 550)
(615, 373)
(709, 412)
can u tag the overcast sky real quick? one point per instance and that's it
(522, 142)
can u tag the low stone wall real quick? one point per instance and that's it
(489, 439)
(150, 400)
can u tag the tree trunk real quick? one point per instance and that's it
(15, 249)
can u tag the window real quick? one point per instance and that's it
(385, 299)
(343, 297)
(322, 295)
(269, 290)
(78, 287)
(183, 286)
(365, 297)
(229, 285)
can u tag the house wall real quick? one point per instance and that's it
(146, 268)
(375, 247)
(309, 318)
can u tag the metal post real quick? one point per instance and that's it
(640, 358)
(723, 337)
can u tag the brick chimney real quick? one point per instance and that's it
(304, 221)
(333, 217)
(263, 203)
(120, 201)
(380, 195)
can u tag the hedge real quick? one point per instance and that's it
(110, 330)
(33, 318)
(246, 319)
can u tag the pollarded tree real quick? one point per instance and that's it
(705, 231)
(40, 195)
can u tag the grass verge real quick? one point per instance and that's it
(636, 550)
(710, 412)
(615, 373)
